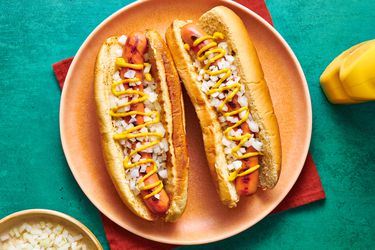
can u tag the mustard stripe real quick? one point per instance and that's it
(249, 171)
(127, 134)
(203, 54)
(120, 62)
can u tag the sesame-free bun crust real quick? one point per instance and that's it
(170, 98)
(224, 20)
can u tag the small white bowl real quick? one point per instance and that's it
(54, 217)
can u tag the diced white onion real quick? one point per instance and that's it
(227, 150)
(205, 87)
(230, 167)
(123, 123)
(118, 52)
(229, 58)
(257, 145)
(215, 102)
(121, 87)
(143, 168)
(243, 114)
(243, 101)
(213, 68)
(164, 145)
(144, 130)
(147, 69)
(253, 126)
(77, 237)
(163, 174)
(129, 126)
(134, 173)
(40, 235)
(129, 74)
(248, 143)
(226, 142)
(237, 165)
(232, 119)
(159, 128)
(4, 237)
(136, 158)
(152, 97)
(132, 184)
(132, 139)
(138, 145)
(223, 45)
(156, 149)
(122, 39)
(122, 101)
(147, 119)
(116, 76)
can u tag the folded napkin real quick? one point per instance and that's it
(307, 189)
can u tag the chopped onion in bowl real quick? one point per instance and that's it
(41, 235)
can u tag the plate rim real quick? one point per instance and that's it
(264, 212)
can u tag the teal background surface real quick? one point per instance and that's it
(34, 173)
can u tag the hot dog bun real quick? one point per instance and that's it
(172, 117)
(222, 19)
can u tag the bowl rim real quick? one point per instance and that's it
(56, 214)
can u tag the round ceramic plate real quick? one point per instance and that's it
(205, 219)
(54, 217)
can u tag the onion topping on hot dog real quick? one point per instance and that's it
(220, 69)
(137, 134)
(220, 81)
(140, 115)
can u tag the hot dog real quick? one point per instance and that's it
(221, 72)
(143, 141)
(190, 32)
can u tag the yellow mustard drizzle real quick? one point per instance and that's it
(219, 53)
(127, 134)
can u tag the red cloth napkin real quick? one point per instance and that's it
(307, 189)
